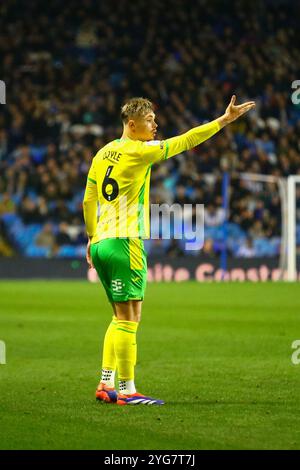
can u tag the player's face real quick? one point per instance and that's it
(145, 127)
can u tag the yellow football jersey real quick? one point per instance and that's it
(119, 181)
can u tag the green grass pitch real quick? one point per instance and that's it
(219, 354)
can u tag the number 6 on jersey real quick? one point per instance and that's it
(107, 180)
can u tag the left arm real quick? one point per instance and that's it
(154, 151)
(200, 134)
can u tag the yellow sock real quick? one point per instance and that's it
(125, 348)
(109, 357)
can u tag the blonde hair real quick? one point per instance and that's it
(135, 107)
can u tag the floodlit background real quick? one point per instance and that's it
(219, 354)
(69, 66)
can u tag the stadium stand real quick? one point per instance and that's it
(67, 75)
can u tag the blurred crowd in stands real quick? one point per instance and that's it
(69, 66)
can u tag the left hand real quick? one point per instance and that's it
(233, 112)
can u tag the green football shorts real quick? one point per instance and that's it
(121, 264)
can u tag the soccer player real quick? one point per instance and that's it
(118, 181)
